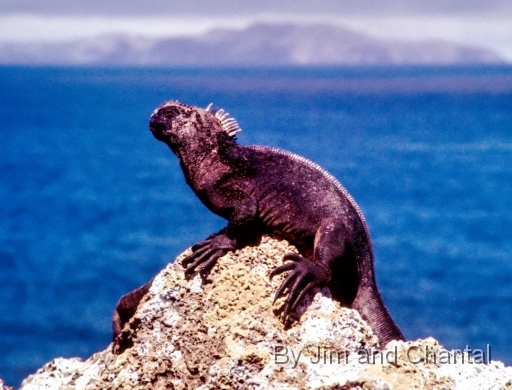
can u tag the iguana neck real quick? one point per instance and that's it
(201, 167)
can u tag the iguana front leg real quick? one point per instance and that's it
(306, 274)
(241, 211)
(206, 253)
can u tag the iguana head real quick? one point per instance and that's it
(189, 129)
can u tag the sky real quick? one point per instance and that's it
(480, 23)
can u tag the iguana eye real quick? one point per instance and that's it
(171, 112)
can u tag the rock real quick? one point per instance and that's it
(3, 386)
(226, 334)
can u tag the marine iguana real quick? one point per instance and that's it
(264, 190)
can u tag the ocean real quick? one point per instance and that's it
(93, 206)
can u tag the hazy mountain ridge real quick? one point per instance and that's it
(259, 44)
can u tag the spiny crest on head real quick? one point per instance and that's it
(229, 125)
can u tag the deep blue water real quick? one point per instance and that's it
(92, 205)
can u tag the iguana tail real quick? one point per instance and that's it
(368, 302)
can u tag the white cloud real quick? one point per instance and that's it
(33, 28)
(491, 33)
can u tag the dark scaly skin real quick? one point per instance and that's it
(261, 190)
(125, 309)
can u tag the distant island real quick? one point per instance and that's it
(261, 44)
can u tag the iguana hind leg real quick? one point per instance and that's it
(305, 274)
(124, 311)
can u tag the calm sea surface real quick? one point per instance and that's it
(92, 206)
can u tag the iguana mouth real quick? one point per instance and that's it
(157, 127)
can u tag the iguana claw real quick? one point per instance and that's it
(303, 277)
(206, 253)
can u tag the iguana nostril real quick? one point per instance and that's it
(156, 126)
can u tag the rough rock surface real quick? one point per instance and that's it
(3, 386)
(226, 334)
